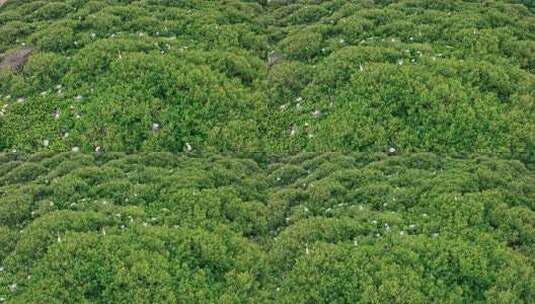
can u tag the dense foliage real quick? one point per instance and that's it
(310, 228)
(331, 151)
(417, 75)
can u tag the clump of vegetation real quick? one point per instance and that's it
(168, 76)
(311, 227)
(417, 76)
(132, 76)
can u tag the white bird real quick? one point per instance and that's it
(292, 131)
(155, 126)
(45, 142)
(75, 149)
(188, 147)
(316, 114)
(13, 287)
(78, 97)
